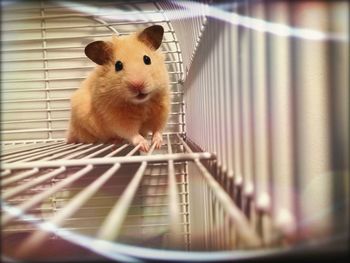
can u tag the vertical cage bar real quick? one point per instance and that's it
(46, 72)
(311, 108)
(338, 63)
(280, 122)
(245, 42)
(260, 111)
(228, 95)
(217, 91)
(174, 211)
(236, 104)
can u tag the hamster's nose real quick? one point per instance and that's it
(137, 86)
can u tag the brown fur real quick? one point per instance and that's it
(105, 109)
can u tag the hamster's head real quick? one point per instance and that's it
(131, 67)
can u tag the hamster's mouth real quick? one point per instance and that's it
(141, 96)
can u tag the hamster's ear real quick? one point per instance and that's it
(99, 52)
(152, 36)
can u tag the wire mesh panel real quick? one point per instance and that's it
(44, 62)
(188, 20)
(262, 83)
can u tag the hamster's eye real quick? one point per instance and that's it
(146, 60)
(118, 66)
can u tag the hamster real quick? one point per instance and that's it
(127, 94)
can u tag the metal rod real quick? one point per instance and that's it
(35, 100)
(58, 109)
(66, 58)
(63, 140)
(38, 152)
(34, 110)
(57, 79)
(46, 72)
(73, 15)
(125, 226)
(72, 156)
(65, 149)
(56, 129)
(112, 160)
(63, 89)
(20, 152)
(69, 6)
(160, 214)
(66, 119)
(101, 217)
(47, 100)
(85, 26)
(4, 41)
(34, 121)
(67, 68)
(174, 210)
(117, 196)
(260, 103)
(47, 129)
(73, 27)
(32, 130)
(32, 142)
(281, 106)
(6, 172)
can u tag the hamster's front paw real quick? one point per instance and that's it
(157, 139)
(138, 139)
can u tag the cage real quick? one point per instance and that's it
(254, 163)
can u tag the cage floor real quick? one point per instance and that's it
(115, 193)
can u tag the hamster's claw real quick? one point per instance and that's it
(144, 146)
(157, 139)
(139, 140)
